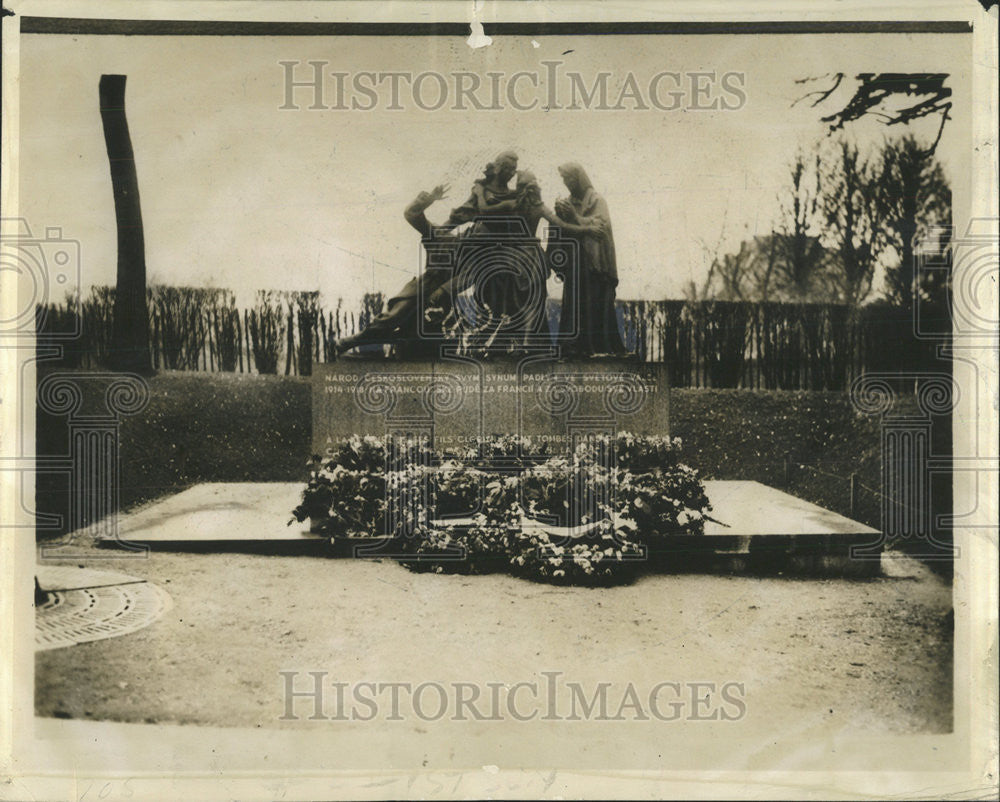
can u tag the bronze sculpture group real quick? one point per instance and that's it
(484, 281)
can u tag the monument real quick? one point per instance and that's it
(469, 356)
(476, 354)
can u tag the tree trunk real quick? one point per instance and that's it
(130, 327)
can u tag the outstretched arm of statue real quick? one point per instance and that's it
(468, 210)
(414, 213)
(509, 205)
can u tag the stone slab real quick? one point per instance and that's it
(247, 511)
(455, 401)
(220, 512)
(752, 508)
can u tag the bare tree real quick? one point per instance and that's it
(919, 94)
(788, 264)
(130, 338)
(767, 253)
(703, 292)
(730, 276)
(734, 274)
(911, 195)
(849, 205)
(754, 273)
(800, 269)
(913, 198)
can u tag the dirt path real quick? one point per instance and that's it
(844, 654)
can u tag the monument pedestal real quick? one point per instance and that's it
(454, 401)
(762, 531)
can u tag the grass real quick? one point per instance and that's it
(197, 427)
(201, 427)
(808, 443)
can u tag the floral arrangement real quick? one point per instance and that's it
(346, 492)
(457, 488)
(663, 503)
(503, 504)
(601, 556)
(651, 486)
(480, 548)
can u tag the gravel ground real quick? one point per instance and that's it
(817, 655)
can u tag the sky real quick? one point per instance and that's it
(239, 193)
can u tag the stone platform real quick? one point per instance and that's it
(453, 400)
(759, 529)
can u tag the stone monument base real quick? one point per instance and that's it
(453, 401)
(758, 530)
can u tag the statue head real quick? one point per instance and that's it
(575, 178)
(525, 179)
(528, 190)
(503, 167)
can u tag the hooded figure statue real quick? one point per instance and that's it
(588, 319)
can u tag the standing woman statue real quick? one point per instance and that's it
(589, 307)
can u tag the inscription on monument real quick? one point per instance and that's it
(456, 402)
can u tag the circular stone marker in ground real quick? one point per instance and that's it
(82, 605)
